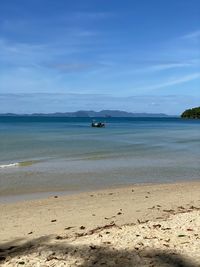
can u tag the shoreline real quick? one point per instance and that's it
(41, 195)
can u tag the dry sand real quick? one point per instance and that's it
(143, 225)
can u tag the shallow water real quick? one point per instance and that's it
(43, 154)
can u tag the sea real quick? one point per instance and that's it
(41, 156)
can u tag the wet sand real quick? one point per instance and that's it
(114, 227)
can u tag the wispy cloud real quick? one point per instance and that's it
(167, 66)
(153, 67)
(63, 34)
(192, 35)
(150, 67)
(175, 81)
(15, 53)
(18, 54)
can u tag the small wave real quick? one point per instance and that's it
(18, 164)
(9, 165)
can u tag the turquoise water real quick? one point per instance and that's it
(47, 154)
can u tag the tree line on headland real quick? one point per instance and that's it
(193, 113)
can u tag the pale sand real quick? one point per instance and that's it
(109, 228)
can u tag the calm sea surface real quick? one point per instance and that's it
(48, 154)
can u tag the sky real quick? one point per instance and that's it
(132, 55)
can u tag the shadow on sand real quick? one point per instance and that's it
(89, 255)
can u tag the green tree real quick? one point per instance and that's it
(193, 113)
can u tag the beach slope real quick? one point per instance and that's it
(139, 225)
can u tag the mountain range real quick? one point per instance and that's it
(91, 113)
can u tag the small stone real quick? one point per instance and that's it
(181, 235)
(59, 237)
(157, 225)
(69, 227)
(93, 247)
(21, 262)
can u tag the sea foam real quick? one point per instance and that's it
(16, 164)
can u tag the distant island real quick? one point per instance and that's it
(91, 114)
(193, 113)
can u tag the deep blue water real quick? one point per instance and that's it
(58, 153)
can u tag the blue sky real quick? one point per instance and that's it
(133, 55)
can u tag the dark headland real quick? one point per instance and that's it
(193, 113)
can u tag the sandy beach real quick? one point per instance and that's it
(139, 225)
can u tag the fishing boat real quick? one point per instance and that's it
(98, 124)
